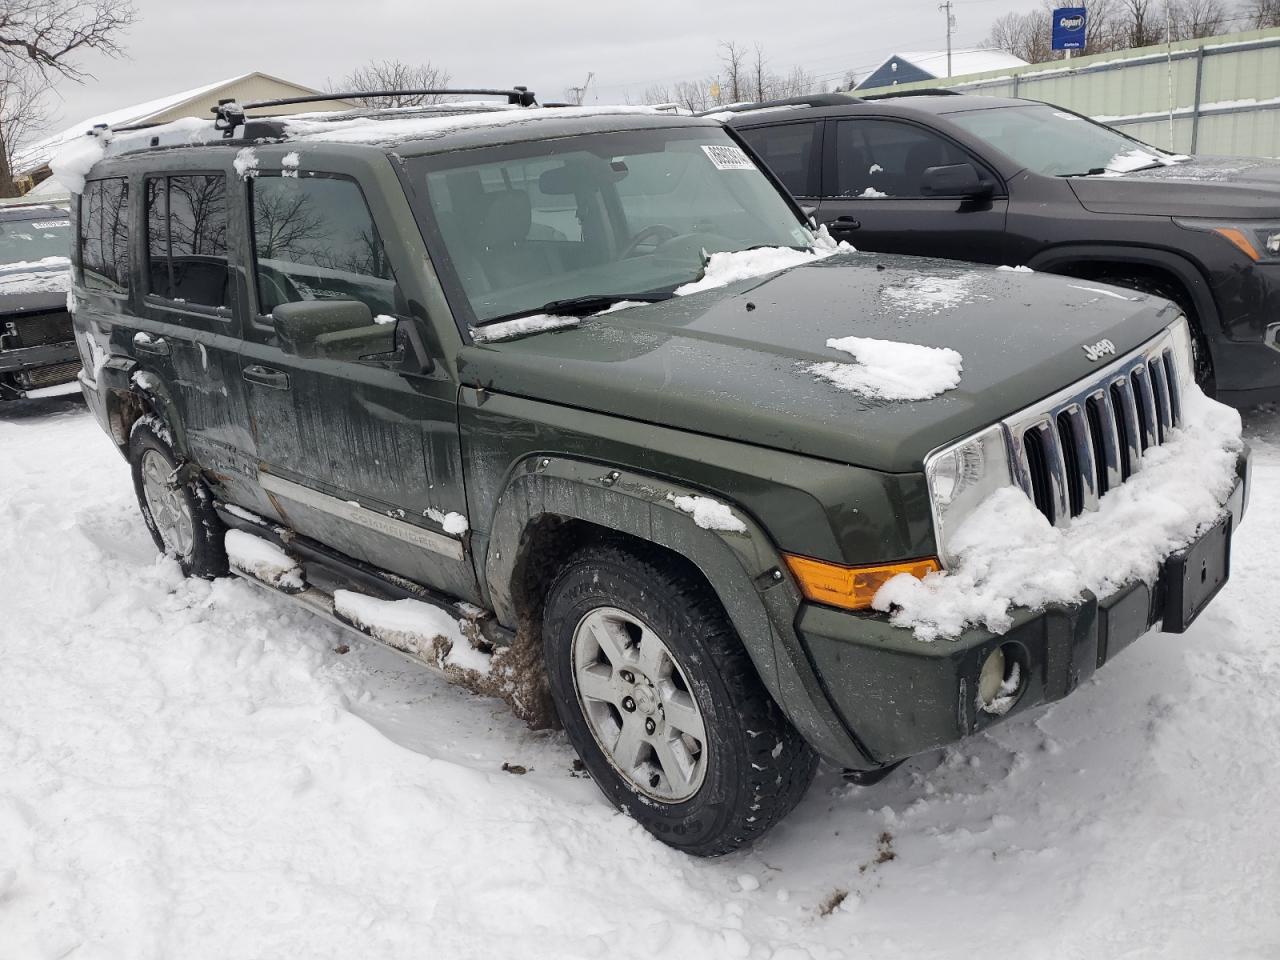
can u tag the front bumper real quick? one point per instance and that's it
(900, 696)
(29, 368)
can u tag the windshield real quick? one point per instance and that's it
(24, 241)
(1058, 144)
(633, 213)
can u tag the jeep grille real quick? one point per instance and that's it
(1069, 450)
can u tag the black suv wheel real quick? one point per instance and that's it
(661, 701)
(178, 513)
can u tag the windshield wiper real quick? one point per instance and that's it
(580, 306)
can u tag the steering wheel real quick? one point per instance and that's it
(657, 233)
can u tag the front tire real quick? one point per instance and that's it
(662, 702)
(179, 515)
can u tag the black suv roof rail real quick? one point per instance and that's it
(922, 92)
(807, 100)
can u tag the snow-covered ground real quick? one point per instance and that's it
(194, 770)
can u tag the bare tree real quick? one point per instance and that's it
(1263, 14)
(759, 75)
(46, 36)
(394, 75)
(1191, 19)
(732, 57)
(284, 224)
(23, 107)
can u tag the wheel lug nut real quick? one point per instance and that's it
(628, 704)
(628, 676)
(649, 725)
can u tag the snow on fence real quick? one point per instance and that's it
(1216, 95)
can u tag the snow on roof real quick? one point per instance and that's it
(39, 153)
(964, 61)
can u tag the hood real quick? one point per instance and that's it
(40, 285)
(735, 362)
(1225, 188)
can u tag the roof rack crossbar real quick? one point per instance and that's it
(517, 96)
(919, 92)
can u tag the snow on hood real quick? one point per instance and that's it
(889, 370)
(723, 269)
(1009, 555)
(50, 275)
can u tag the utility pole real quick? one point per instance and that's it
(580, 93)
(951, 22)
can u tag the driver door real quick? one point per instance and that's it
(354, 451)
(872, 182)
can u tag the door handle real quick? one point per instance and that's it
(845, 223)
(145, 343)
(266, 376)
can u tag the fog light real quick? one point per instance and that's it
(999, 683)
(992, 678)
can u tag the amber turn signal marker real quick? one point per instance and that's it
(850, 588)
(1239, 240)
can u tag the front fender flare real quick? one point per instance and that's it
(744, 569)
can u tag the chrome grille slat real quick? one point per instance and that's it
(1110, 437)
(1071, 449)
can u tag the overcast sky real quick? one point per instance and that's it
(180, 44)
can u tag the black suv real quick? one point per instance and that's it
(37, 348)
(1022, 182)
(584, 380)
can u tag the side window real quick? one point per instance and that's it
(314, 239)
(104, 235)
(788, 150)
(187, 239)
(876, 159)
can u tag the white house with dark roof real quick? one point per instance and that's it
(932, 65)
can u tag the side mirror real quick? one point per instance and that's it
(955, 180)
(304, 327)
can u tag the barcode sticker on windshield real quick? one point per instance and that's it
(47, 224)
(728, 157)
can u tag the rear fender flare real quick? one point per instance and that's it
(743, 568)
(123, 384)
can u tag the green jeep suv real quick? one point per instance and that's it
(575, 405)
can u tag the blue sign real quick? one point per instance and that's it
(1068, 28)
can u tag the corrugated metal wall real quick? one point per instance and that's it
(1224, 92)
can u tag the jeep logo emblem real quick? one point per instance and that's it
(1071, 23)
(1096, 351)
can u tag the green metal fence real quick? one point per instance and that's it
(1219, 95)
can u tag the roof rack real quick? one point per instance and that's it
(808, 100)
(922, 92)
(229, 113)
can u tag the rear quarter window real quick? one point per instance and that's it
(103, 235)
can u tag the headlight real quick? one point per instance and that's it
(1184, 358)
(961, 476)
(1260, 244)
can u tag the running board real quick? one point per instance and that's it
(478, 624)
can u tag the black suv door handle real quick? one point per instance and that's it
(145, 343)
(845, 223)
(267, 377)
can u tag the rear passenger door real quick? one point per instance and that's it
(354, 451)
(872, 193)
(189, 319)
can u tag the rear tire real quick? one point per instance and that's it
(180, 516)
(663, 704)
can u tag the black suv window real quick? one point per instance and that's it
(187, 239)
(314, 239)
(883, 158)
(787, 149)
(104, 235)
